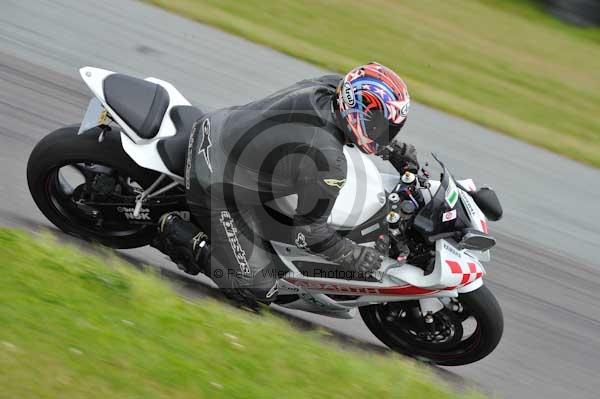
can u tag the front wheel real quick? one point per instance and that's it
(466, 330)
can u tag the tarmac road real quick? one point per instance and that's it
(545, 271)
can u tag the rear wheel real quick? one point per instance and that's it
(467, 329)
(66, 172)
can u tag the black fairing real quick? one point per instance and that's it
(429, 220)
(487, 200)
(370, 230)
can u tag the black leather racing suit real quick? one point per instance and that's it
(242, 157)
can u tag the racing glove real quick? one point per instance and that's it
(359, 260)
(402, 156)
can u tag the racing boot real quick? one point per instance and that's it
(183, 242)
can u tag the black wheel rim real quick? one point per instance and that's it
(61, 192)
(448, 338)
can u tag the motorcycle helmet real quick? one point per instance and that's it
(371, 103)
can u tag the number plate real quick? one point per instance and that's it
(94, 116)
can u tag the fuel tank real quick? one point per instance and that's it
(360, 198)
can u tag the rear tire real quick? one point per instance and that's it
(479, 304)
(63, 147)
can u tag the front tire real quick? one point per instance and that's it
(65, 147)
(403, 335)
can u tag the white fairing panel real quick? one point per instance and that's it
(363, 193)
(142, 151)
(454, 267)
(146, 155)
(359, 199)
(94, 78)
(478, 219)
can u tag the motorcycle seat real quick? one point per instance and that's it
(141, 104)
(173, 149)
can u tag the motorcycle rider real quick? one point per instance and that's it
(291, 142)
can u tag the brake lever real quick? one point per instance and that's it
(423, 181)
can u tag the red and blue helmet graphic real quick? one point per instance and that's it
(373, 101)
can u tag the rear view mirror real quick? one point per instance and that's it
(487, 200)
(476, 240)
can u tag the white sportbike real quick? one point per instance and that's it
(111, 177)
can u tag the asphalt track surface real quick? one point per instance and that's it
(545, 272)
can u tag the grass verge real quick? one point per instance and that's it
(73, 327)
(501, 63)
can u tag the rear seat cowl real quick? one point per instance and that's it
(141, 104)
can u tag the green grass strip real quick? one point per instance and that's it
(505, 64)
(73, 325)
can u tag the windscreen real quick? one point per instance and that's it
(434, 218)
